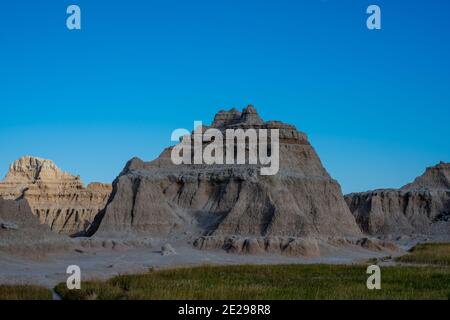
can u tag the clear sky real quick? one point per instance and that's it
(375, 104)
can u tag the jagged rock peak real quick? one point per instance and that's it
(435, 177)
(224, 118)
(32, 169)
(57, 198)
(250, 109)
(248, 116)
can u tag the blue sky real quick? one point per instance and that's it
(375, 104)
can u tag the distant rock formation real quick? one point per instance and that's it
(421, 207)
(434, 178)
(158, 198)
(57, 198)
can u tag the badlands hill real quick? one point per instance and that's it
(57, 198)
(421, 207)
(21, 233)
(434, 178)
(212, 203)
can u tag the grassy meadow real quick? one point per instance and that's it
(24, 292)
(277, 282)
(423, 273)
(428, 254)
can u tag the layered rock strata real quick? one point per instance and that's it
(161, 199)
(421, 207)
(57, 198)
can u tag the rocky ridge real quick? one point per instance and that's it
(22, 234)
(421, 207)
(57, 198)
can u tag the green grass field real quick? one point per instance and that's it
(279, 282)
(428, 278)
(24, 292)
(429, 254)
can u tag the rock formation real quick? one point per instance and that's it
(57, 198)
(421, 207)
(306, 247)
(291, 246)
(159, 198)
(168, 250)
(434, 178)
(22, 234)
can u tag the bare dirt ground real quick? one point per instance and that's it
(102, 263)
(104, 258)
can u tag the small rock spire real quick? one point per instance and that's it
(250, 116)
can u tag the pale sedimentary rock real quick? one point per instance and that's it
(161, 199)
(57, 198)
(291, 246)
(306, 247)
(421, 207)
